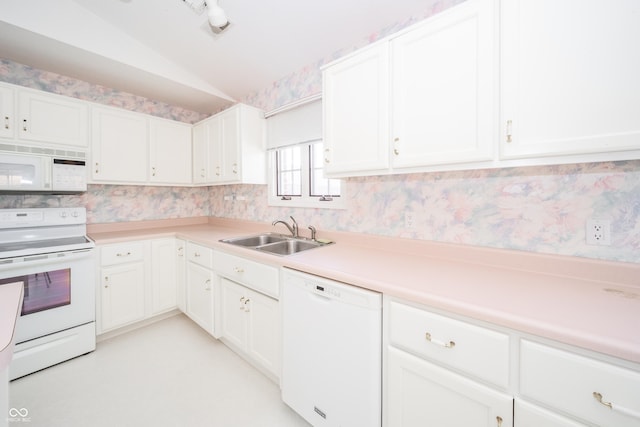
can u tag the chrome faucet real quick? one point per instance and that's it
(293, 229)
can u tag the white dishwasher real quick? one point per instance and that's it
(332, 351)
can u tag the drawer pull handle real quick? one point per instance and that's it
(499, 421)
(207, 285)
(238, 269)
(120, 254)
(246, 307)
(242, 303)
(449, 344)
(618, 408)
(196, 254)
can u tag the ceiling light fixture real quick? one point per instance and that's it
(217, 16)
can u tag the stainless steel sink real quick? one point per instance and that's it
(259, 240)
(289, 247)
(274, 243)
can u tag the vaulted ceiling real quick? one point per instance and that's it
(164, 50)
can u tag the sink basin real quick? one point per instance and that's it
(259, 240)
(289, 247)
(274, 243)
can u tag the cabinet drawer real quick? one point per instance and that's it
(122, 253)
(200, 255)
(579, 385)
(263, 278)
(468, 348)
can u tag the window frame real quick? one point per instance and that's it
(305, 200)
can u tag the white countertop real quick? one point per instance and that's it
(582, 302)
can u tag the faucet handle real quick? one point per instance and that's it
(313, 232)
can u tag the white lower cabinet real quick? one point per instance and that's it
(250, 322)
(438, 371)
(137, 280)
(444, 370)
(163, 275)
(420, 393)
(250, 310)
(122, 285)
(592, 390)
(200, 286)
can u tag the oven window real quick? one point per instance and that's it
(43, 291)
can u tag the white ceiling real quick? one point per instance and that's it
(163, 50)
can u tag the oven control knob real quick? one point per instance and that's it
(63, 214)
(74, 214)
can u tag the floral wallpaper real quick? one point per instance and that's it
(537, 209)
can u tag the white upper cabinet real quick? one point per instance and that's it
(55, 119)
(529, 82)
(119, 146)
(443, 92)
(233, 143)
(356, 118)
(134, 148)
(570, 81)
(7, 113)
(419, 99)
(170, 152)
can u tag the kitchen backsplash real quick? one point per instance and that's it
(535, 209)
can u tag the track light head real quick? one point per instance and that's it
(217, 16)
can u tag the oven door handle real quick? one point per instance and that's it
(44, 258)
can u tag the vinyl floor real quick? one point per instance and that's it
(170, 373)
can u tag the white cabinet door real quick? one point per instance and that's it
(569, 77)
(181, 274)
(234, 308)
(422, 394)
(223, 144)
(200, 296)
(235, 146)
(53, 119)
(7, 113)
(251, 322)
(230, 138)
(215, 147)
(200, 148)
(444, 88)
(528, 415)
(163, 275)
(356, 113)
(170, 152)
(263, 340)
(122, 294)
(119, 148)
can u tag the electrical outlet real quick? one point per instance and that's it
(410, 220)
(599, 232)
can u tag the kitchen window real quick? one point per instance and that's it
(297, 178)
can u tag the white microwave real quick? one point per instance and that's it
(42, 173)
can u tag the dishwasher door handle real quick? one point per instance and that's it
(322, 297)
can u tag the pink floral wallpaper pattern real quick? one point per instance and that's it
(535, 209)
